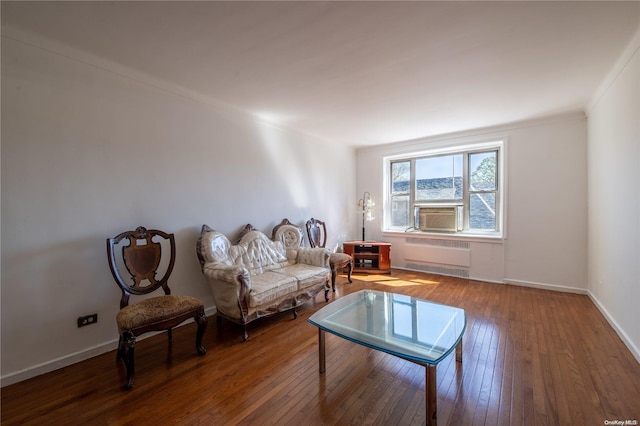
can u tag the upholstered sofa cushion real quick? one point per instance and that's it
(213, 249)
(306, 275)
(270, 286)
(261, 254)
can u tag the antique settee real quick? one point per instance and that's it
(260, 276)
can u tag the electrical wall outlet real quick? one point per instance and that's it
(87, 320)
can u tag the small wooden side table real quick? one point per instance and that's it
(369, 256)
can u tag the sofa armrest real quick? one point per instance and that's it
(230, 285)
(313, 256)
(229, 273)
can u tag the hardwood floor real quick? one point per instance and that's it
(530, 357)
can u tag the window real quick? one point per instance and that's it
(412, 320)
(453, 190)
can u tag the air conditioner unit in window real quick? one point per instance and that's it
(438, 219)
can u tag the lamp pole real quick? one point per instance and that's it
(363, 223)
(365, 202)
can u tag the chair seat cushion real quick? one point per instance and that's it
(339, 259)
(156, 310)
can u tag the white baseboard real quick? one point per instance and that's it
(73, 358)
(621, 333)
(58, 363)
(543, 286)
(612, 322)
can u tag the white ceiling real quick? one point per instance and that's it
(358, 73)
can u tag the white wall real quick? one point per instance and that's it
(614, 198)
(88, 153)
(547, 205)
(85, 151)
(546, 201)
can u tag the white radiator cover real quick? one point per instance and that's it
(434, 251)
(440, 270)
(478, 260)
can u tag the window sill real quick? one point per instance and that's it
(494, 238)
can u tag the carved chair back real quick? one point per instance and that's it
(141, 257)
(316, 232)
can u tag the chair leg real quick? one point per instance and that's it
(201, 321)
(245, 334)
(120, 352)
(333, 278)
(170, 335)
(295, 314)
(350, 266)
(128, 341)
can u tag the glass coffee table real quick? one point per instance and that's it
(410, 328)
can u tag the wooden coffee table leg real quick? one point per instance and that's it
(431, 395)
(321, 351)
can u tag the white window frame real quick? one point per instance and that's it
(497, 144)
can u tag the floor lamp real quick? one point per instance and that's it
(366, 202)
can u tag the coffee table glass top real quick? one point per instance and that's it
(404, 326)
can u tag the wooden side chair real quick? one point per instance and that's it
(142, 257)
(317, 234)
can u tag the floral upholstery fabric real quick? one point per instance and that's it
(339, 259)
(155, 309)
